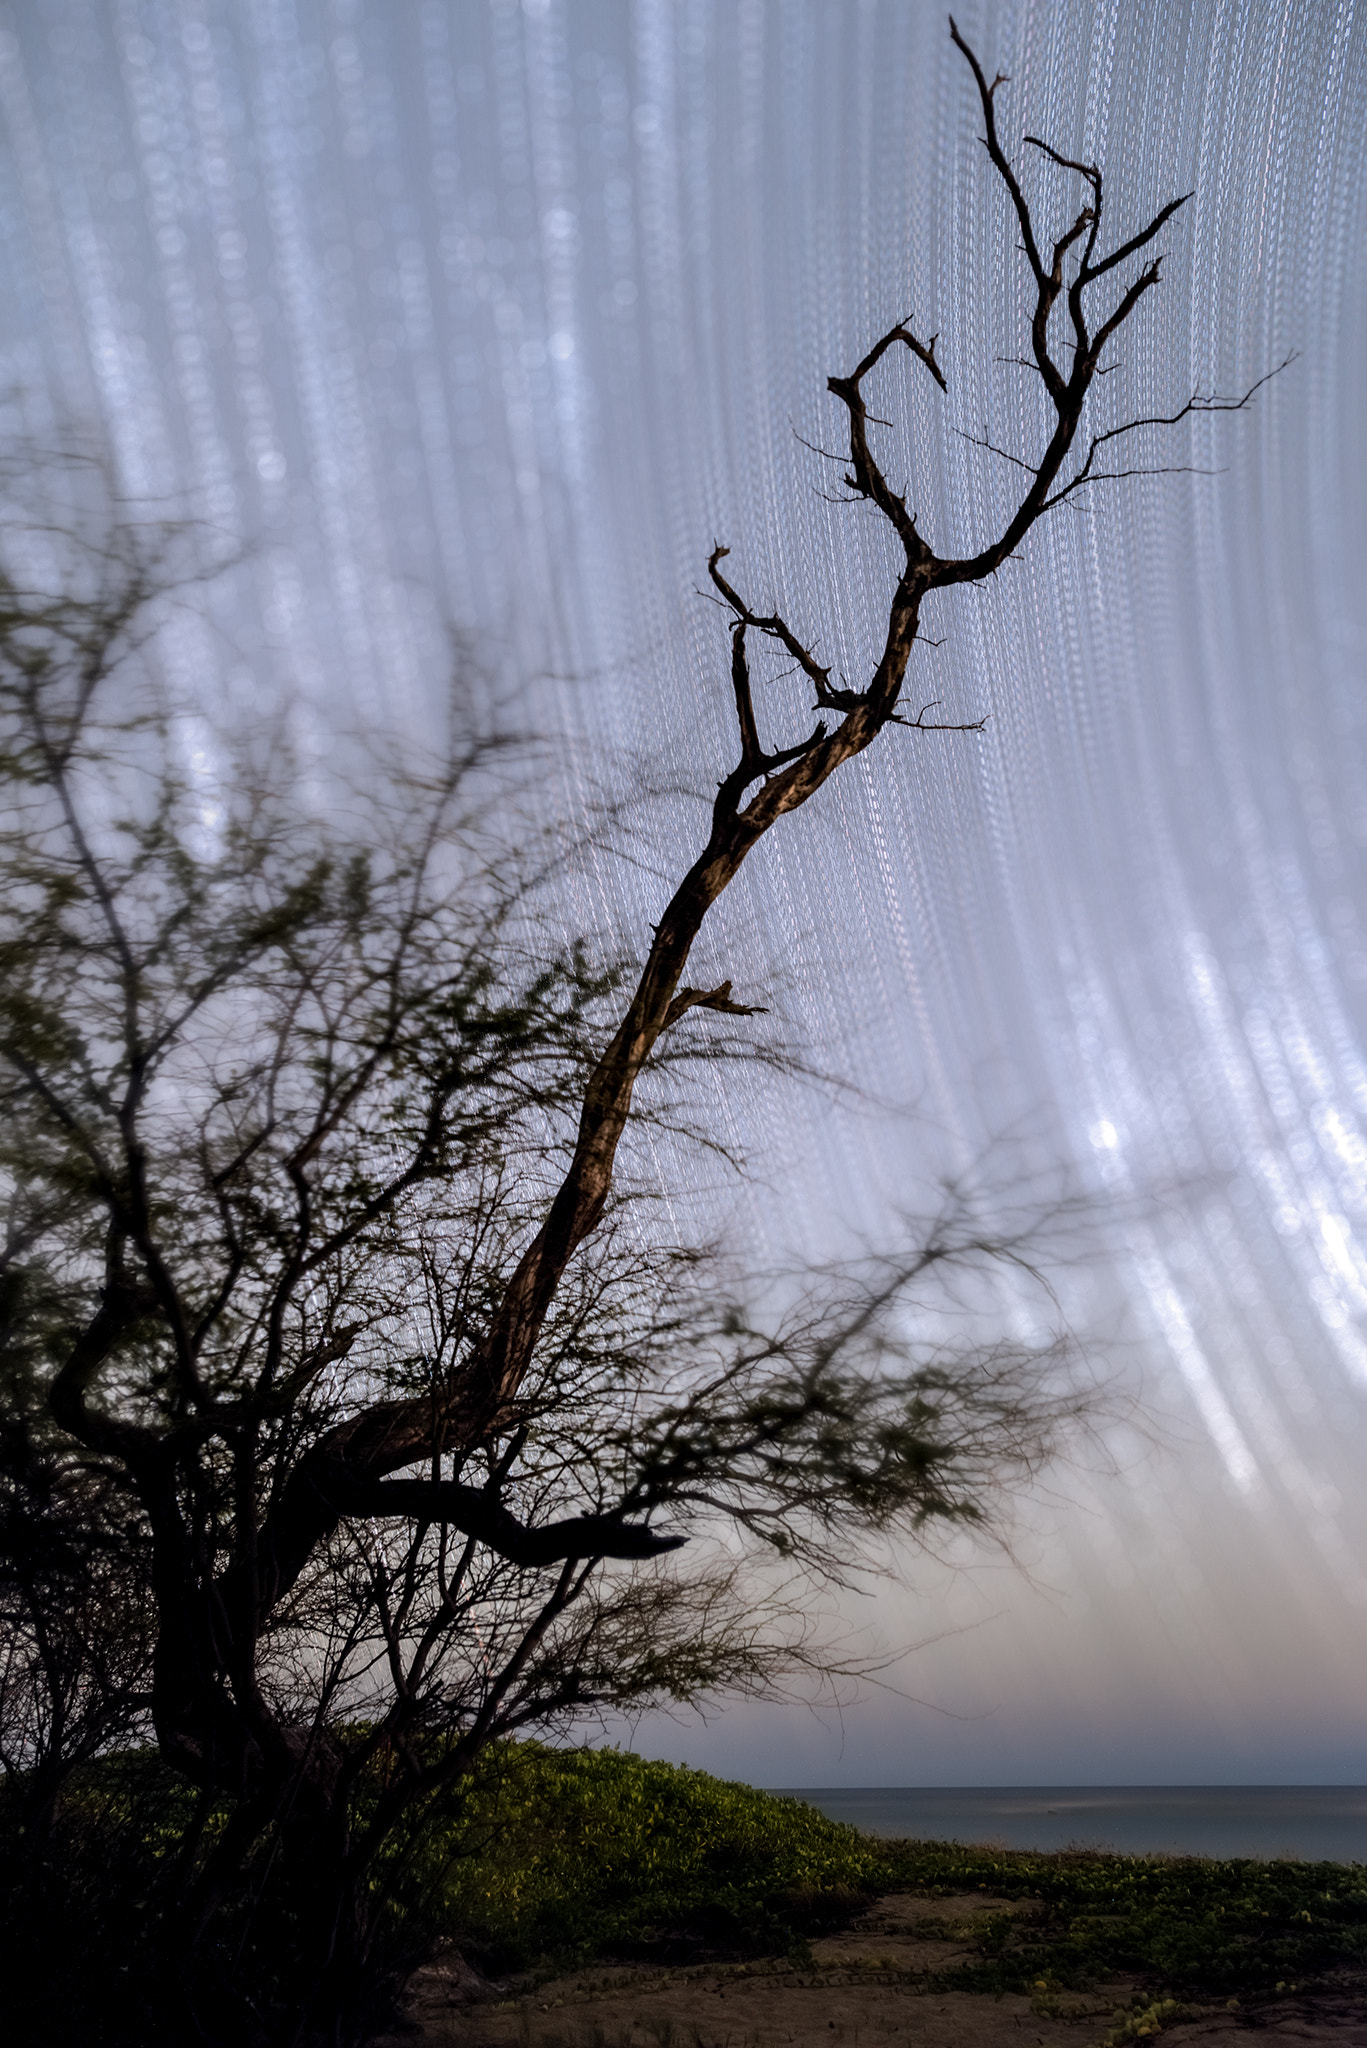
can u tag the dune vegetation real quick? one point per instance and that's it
(551, 1859)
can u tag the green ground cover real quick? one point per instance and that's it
(600, 1853)
(556, 1858)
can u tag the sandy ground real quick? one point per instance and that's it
(868, 1988)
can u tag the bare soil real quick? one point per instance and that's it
(869, 1986)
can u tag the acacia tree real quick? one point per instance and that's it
(312, 1160)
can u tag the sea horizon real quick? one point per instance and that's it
(1305, 1823)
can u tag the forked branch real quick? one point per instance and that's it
(1199, 402)
(718, 998)
(765, 785)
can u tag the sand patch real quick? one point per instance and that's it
(867, 1990)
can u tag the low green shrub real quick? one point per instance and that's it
(82, 1919)
(568, 1854)
(549, 1858)
(1202, 1924)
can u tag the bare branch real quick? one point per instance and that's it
(1141, 240)
(981, 441)
(1198, 403)
(482, 1515)
(921, 724)
(718, 998)
(775, 627)
(864, 476)
(986, 94)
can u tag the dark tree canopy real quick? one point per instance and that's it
(356, 1412)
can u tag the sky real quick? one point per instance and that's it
(496, 316)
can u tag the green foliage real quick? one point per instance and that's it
(560, 1855)
(1198, 1923)
(594, 1852)
(1143, 2021)
(547, 1858)
(81, 1947)
(106, 1898)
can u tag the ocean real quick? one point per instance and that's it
(1314, 1823)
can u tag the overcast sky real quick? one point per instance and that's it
(497, 314)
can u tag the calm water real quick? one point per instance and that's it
(1318, 1823)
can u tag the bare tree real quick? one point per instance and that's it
(312, 1155)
